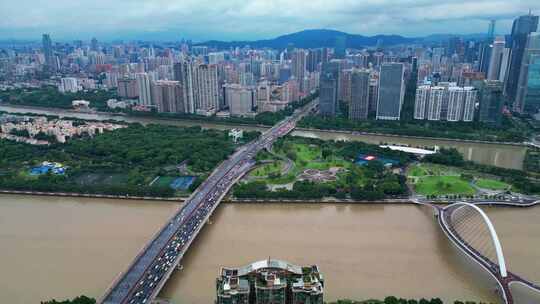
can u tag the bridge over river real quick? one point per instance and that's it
(154, 264)
(468, 227)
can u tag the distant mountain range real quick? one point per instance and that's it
(304, 39)
(329, 38)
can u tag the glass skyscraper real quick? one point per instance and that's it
(521, 28)
(529, 80)
(391, 91)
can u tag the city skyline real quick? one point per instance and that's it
(201, 21)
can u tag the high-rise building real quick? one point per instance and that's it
(167, 96)
(505, 60)
(521, 28)
(491, 102)
(373, 94)
(128, 88)
(528, 94)
(328, 89)
(436, 57)
(491, 30)
(143, 83)
(111, 79)
(284, 74)
(327, 95)
(421, 101)
(94, 45)
(340, 47)
(206, 89)
(485, 57)
(414, 71)
(51, 64)
(359, 105)
(314, 58)
(177, 71)
(240, 99)
(200, 86)
(496, 61)
(200, 50)
(445, 102)
(461, 102)
(344, 87)
(298, 63)
(246, 79)
(216, 57)
(290, 91)
(435, 103)
(69, 85)
(270, 282)
(391, 91)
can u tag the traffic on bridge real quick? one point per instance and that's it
(152, 267)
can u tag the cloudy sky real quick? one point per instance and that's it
(250, 19)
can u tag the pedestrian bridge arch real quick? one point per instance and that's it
(475, 228)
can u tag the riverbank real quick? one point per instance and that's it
(14, 109)
(226, 200)
(117, 116)
(232, 200)
(349, 132)
(89, 195)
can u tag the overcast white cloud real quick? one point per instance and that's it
(250, 19)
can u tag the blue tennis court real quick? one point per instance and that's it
(183, 182)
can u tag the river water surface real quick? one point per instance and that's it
(63, 247)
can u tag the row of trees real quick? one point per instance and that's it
(301, 190)
(38, 136)
(77, 300)
(441, 129)
(387, 300)
(521, 180)
(532, 161)
(60, 183)
(394, 300)
(49, 96)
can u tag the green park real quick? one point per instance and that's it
(299, 168)
(136, 161)
(436, 180)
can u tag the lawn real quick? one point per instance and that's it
(101, 179)
(491, 184)
(267, 169)
(306, 156)
(417, 171)
(307, 152)
(443, 185)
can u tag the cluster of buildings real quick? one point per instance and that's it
(60, 129)
(446, 101)
(270, 282)
(181, 78)
(456, 80)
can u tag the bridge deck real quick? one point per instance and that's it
(491, 267)
(152, 267)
